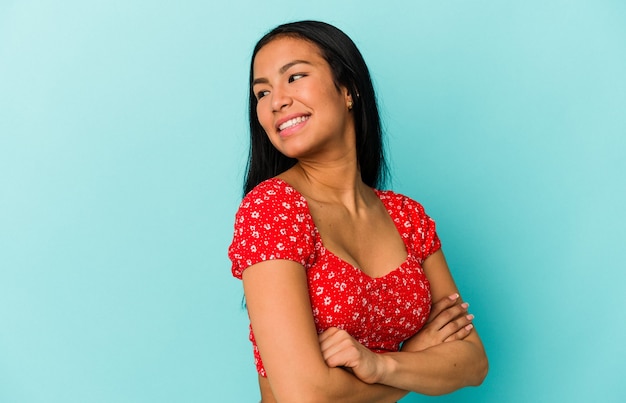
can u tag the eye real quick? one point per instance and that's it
(295, 77)
(261, 94)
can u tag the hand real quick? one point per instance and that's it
(448, 321)
(342, 350)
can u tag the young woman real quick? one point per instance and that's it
(349, 296)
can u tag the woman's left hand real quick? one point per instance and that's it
(342, 350)
(448, 321)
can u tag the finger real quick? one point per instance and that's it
(461, 333)
(458, 329)
(450, 314)
(340, 357)
(351, 354)
(333, 357)
(342, 352)
(331, 331)
(334, 340)
(441, 305)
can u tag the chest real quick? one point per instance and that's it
(369, 241)
(379, 312)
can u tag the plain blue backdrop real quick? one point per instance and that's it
(123, 140)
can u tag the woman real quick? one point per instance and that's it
(337, 274)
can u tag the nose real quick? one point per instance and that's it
(280, 98)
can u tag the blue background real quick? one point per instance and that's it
(123, 140)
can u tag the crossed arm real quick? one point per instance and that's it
(445, 355)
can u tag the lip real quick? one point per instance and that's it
(290, 130)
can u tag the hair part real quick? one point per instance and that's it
(349, 70)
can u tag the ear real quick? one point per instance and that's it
(348, 99)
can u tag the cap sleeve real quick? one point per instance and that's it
(273, 222)
(424, 236)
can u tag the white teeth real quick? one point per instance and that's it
(292, 122)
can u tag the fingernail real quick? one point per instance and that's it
(454, 296)
(470, 317)
(465, 305)
(469, 327)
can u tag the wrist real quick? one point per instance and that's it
(386, 368)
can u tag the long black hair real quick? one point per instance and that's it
(349, 70)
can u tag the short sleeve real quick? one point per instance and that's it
(424, 236)
(273, 222)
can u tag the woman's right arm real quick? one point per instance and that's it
(280, 314)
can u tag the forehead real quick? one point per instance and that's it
(283, 50)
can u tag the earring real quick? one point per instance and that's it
(350, 104)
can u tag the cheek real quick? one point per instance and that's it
(265, 118)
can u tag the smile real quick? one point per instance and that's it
(292, 122)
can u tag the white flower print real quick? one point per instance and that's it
(379, 312)
(341, 286)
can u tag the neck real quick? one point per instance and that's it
(335, 183)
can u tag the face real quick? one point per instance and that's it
(299, 106)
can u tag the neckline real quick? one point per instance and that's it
(378, 193)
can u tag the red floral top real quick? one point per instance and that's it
(274, 222)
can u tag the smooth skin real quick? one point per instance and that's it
(292, 80)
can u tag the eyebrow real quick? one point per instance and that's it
(282, 70)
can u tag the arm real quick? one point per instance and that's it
(448, 321)
(445, 367)
(448, 354)
(281, 318)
